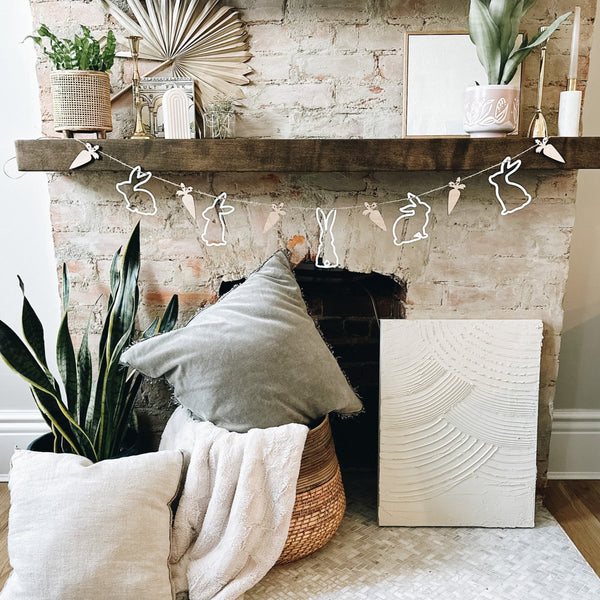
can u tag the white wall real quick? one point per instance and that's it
(575, 442)
(25, 235)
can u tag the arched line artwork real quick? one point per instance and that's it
(214, 229)
(508, 168)
(136, 198)
(327, 257)
(415, 208)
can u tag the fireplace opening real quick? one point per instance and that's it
(347, 306)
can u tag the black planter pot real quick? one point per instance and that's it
(131, 444)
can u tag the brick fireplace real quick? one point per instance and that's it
(330, 69)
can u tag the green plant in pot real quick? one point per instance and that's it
(89, 413)
(80, 82)
(492, 110)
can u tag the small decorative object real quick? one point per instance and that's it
(137, 199)
(214, 229)
(538, 127)
(327, 257)
(458, 422)
(89, 417)
(547, 149)
(199, 39)
(454, 194)
(420, 211)
(176, 109)
(373, 213)
(152, 90)
(187, 199)
(569, 109)
(80, 82)
(86, 156)
(274, 217)
(508, 168)
(139, 132)
(493, 29)
(218, 119)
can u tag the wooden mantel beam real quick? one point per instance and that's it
(306, 155)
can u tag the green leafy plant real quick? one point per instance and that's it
(88, 417)
(494, 27)
(81, 53)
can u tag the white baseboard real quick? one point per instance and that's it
(575, 445)
(17, 429)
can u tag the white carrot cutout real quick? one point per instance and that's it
(454, 193)
(274, 216)
(548, 150)
(187, 199)
(86, 156)
(374, 215)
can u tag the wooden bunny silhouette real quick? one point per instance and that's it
(508, 168)
(214, 230)
(415, 208)
(138, 200)
(327, 257)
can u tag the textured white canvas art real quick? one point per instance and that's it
(458, 422)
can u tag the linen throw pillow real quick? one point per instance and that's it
(93, 531)
(253, 359)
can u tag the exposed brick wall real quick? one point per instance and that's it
(334, 69)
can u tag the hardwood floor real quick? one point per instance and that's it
(574, 504)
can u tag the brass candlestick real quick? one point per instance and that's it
(538, 127)
(140, 132)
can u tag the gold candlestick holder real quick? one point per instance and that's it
(139, 132)
(538, 127)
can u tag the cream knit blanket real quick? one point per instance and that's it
(235, 508)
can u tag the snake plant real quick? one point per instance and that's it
(494, 27)
(88, 416)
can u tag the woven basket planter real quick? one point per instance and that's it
(320, 499)
(81, 102)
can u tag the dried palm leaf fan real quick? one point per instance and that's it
(197, 39)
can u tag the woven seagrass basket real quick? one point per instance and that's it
(81, 102)
(320, 499)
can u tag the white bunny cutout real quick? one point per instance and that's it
(327, 257)
(138, 200)
(415, 208)
(214, 229)
(508, 168)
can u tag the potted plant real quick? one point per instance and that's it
(492, 110)
(80, 82)
(88, 415)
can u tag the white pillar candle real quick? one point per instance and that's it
(575, 44)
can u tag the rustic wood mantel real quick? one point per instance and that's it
(306, 155)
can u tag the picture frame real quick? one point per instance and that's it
(434, 89)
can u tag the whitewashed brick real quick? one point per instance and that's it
(336, 67)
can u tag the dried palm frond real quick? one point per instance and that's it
(198, 39)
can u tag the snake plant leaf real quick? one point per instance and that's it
(130, 391)
(18, 357)
(151, 329)
(84, 377)
(67, 366)
(66, 287)
(527, 47)
(485, 35)
(33, 329)
(169, 318)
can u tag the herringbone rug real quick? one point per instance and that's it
(364, 561)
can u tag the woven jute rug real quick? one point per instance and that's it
(364, 561)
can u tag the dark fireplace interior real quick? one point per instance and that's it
(346, 307)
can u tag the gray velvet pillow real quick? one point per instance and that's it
(253, 359)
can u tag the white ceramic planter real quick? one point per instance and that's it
(491, 110)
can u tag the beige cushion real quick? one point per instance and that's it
(84, 531)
